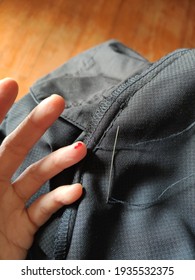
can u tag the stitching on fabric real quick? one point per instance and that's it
(152, 203)
(170, 137)
(134, 80)
(125, 103)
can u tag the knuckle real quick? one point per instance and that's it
(32, 122)
(44, 211)
(56, 164)
(11, 147)
(57, 199)
(34, 175)
(57, 161)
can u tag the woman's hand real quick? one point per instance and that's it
(18, 224)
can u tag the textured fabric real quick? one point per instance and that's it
(145, 207)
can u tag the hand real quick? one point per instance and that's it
(18, 224)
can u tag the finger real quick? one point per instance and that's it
(8, 93)
(16, 146)
(42, 209)
(38, 173)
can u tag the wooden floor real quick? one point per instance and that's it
(39, 35)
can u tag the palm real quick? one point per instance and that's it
(14, 242)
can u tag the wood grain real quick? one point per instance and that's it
(38, 36)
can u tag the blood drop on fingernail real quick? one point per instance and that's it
(78, 145)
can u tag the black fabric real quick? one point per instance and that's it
(145, 207)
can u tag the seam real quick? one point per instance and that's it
(125, 103)
(123, 87)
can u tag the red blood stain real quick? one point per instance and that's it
(78, 145)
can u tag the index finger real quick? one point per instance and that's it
(16, 146)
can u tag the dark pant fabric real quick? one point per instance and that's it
(137, 120)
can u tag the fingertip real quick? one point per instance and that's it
(58, 101)
(72, 193)
(80, 146)
(8, 94)
(48, 111)
(9, 86)
(77, 189)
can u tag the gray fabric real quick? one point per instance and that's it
(149, 212)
